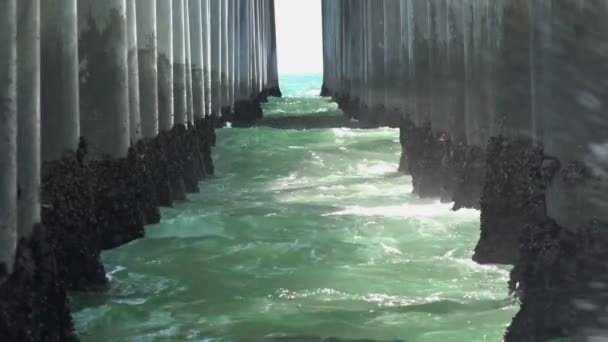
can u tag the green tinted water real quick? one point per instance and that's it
(302, 233)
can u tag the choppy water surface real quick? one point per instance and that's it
(302, 233)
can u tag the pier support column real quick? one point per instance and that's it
(179, 64)
(246, 108)
(206, 56)
(185, 153)
(510, 199)
(215, 13)
(68, 213)
(225, 64)
(147, 44)
(104, 112)
(470, 184)
(393, 90)
(422, 147)
(166, 96)
(561, 272)
(273, 82)
(8, 134)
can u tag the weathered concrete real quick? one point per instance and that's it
(188, 63)
(133, 67)
(507, 201)
(148, 67)
(164, 10)
(561, 275)
(224, 53)
(8, 134)
(206, 21)
(216, 57)
(96, 139)
(103, 61)
(28, 115)
(180, 104)
(196, 39)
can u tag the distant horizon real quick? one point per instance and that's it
(299, 37)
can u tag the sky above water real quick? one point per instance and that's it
(299, 36)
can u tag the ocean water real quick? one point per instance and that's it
(302, 234)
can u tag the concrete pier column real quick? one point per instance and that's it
(246, 107)
(28, 113)
(188, 64)
(104, 91)
(422, 147)
(474, 118)
(451, 109)
(438, 68)
(405, 100)
(231, 50)
(273, 84)
(237, 51)
(265, 47)
(356, 62)
(148, 67)
(133, 60)
(8, 134)
(196, 39)
(455, 79)
(164, 21)
(215, 13)
(225, 71)
(512, 198)
(376, 70)
(254, 62)
(206, 29)
(244, 60)
(478, 113)
(104, 119)
(255, 48)
(60, 120)
(562, 266)
(62, 172)
(343, 76)
(393, 81)
(180, 104)
(325, 17)
(185, 152)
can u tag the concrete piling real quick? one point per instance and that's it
(8, 134)
(107, 114)
(486, 91)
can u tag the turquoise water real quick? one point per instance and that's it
(302, 233)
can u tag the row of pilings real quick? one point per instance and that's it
(502, 107)
(108, 110)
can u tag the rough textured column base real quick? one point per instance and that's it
(146, 188)
(325, 92)
(453, 156)
(423, 153)
(203, 134)
(68, 214)
(469, 184)
(156, 162)
(512, 198)
(34, 305)
(246, 113)
(561, 280)
(351, 108)
(188, 154)
(169, 142)
(275, 92)
(117, 202)
(389, 118)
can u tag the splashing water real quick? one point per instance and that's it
(302, 233)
